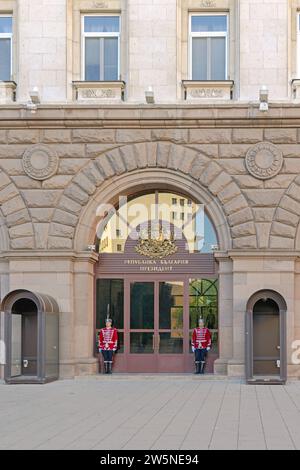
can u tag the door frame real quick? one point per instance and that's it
(282, 307)
(186, 356)
(156, 356)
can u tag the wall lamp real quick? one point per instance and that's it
(264, 98)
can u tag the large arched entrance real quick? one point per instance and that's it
(156, 276)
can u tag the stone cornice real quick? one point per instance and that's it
(126, 115)
(261, 254)
(35, 255)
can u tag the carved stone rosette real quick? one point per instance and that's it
(264, 160)
(40, 162)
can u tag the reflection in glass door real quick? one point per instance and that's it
(170, 333)
(142, 318)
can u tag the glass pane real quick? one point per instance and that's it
(110, 292)
(141, 343)
(5, 24)
(92, 59)
(136, 217)
(170, 345)
(16, 344)
(101, 24)
(210, 237)
(199, 59)
(203, 302)
(142, 305)
(171, 305)
(110, 59)
(218, 58)
(5, 59)
(209, 23)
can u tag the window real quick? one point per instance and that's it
(208, 47)
(182, 202)
(5, 47)
(298, 45)
(174, 201)
(101, 47)
(119, 247)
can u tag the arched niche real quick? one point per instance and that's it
(265, 355)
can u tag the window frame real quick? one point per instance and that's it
(298, 42)
(9, 36)
(207, 34)
(85, 35)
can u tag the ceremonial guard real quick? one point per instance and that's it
(107, 343)
(201, 344)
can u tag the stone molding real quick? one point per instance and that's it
(264, 160)
(40, 162)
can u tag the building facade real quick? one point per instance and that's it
(193, 101)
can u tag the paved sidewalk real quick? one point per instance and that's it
(149, 412)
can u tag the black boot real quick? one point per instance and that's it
(197, 367)
(202, 367)
(109, 369)
(105, 367)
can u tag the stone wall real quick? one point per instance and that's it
(154, 45)
(41, 210)
(58, 165)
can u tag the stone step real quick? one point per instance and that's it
(159, 377)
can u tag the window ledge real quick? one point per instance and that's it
(199, 90)
(296, 88)
(7, 92)
(112, 91)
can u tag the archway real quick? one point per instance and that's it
(31, 337)
(266, 338)
(130, 183)
(156, 280)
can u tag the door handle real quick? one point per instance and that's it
(278, 347)
(25, 363)
(158, 342)
(153, 342)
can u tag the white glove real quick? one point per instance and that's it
(208, 348)
(193, 349)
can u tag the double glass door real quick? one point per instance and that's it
(155, 325)
(155, 317)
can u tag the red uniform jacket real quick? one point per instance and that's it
(201, 338)
(108, 339)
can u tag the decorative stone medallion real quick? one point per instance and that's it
(264, 160)
(40, 162)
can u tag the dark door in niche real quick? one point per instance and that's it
(266, 338)
(27, 310)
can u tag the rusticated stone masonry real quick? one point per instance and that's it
(43, 213)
